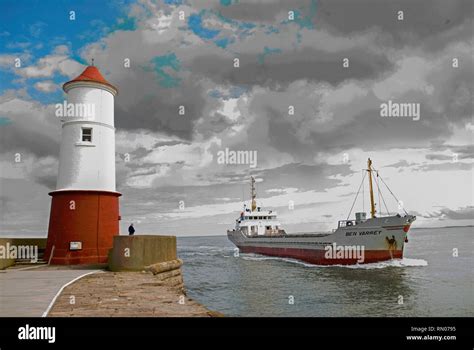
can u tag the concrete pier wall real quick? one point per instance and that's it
(135, 253)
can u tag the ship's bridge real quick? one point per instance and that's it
(259, 215)
(258, 222)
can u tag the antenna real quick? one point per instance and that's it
(363, 191)
(253, 193)
(372, 203)
(92, 63)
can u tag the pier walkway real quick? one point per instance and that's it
(28, 292)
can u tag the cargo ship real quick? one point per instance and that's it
(355, 241)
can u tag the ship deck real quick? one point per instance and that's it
(293, 235)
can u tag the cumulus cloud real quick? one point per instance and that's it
(33, 127)
(57, 62)
(46, 86)
(7, 61)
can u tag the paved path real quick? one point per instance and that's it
(129, 294)
(25, 293)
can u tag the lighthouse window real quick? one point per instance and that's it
(86, 134)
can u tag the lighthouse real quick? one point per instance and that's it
(84, 215)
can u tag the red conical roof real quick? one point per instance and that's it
(92, 74)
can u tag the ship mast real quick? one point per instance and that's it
(253, 194)
(372, 203)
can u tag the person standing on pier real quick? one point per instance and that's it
(131, 230)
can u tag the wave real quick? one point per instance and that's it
(207, 247)
(197, 254)
(405, 262)
(206, 250)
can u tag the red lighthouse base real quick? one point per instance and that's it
(82, 225)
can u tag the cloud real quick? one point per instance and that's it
(26, 208)
(318, 177)
(262, 11)
(448, 166)
(46, 86)
(464, 213)
(439, 157)
(44, 172)
(173, 63)
(400, 164)
(281, 69)
(33, 128)
(157, 109)
(57, 62)
(423, 20)
(282, 190)
(7, 61)
(451, 152)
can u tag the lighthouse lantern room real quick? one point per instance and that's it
(84, 213)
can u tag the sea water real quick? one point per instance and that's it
(435, 278)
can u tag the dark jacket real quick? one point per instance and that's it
(131, 230)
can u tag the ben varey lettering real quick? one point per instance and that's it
(363, 233)
(37, 333)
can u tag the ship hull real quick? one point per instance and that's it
(317, 256)
(375, 240)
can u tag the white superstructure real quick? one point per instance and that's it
(258, 222)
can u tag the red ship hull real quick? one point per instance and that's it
(317, 257)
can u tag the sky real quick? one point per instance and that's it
(299, 84)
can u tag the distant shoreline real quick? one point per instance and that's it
(426, 228)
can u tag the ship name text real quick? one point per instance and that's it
(363, 233)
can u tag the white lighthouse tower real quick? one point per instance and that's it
(85, 208)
